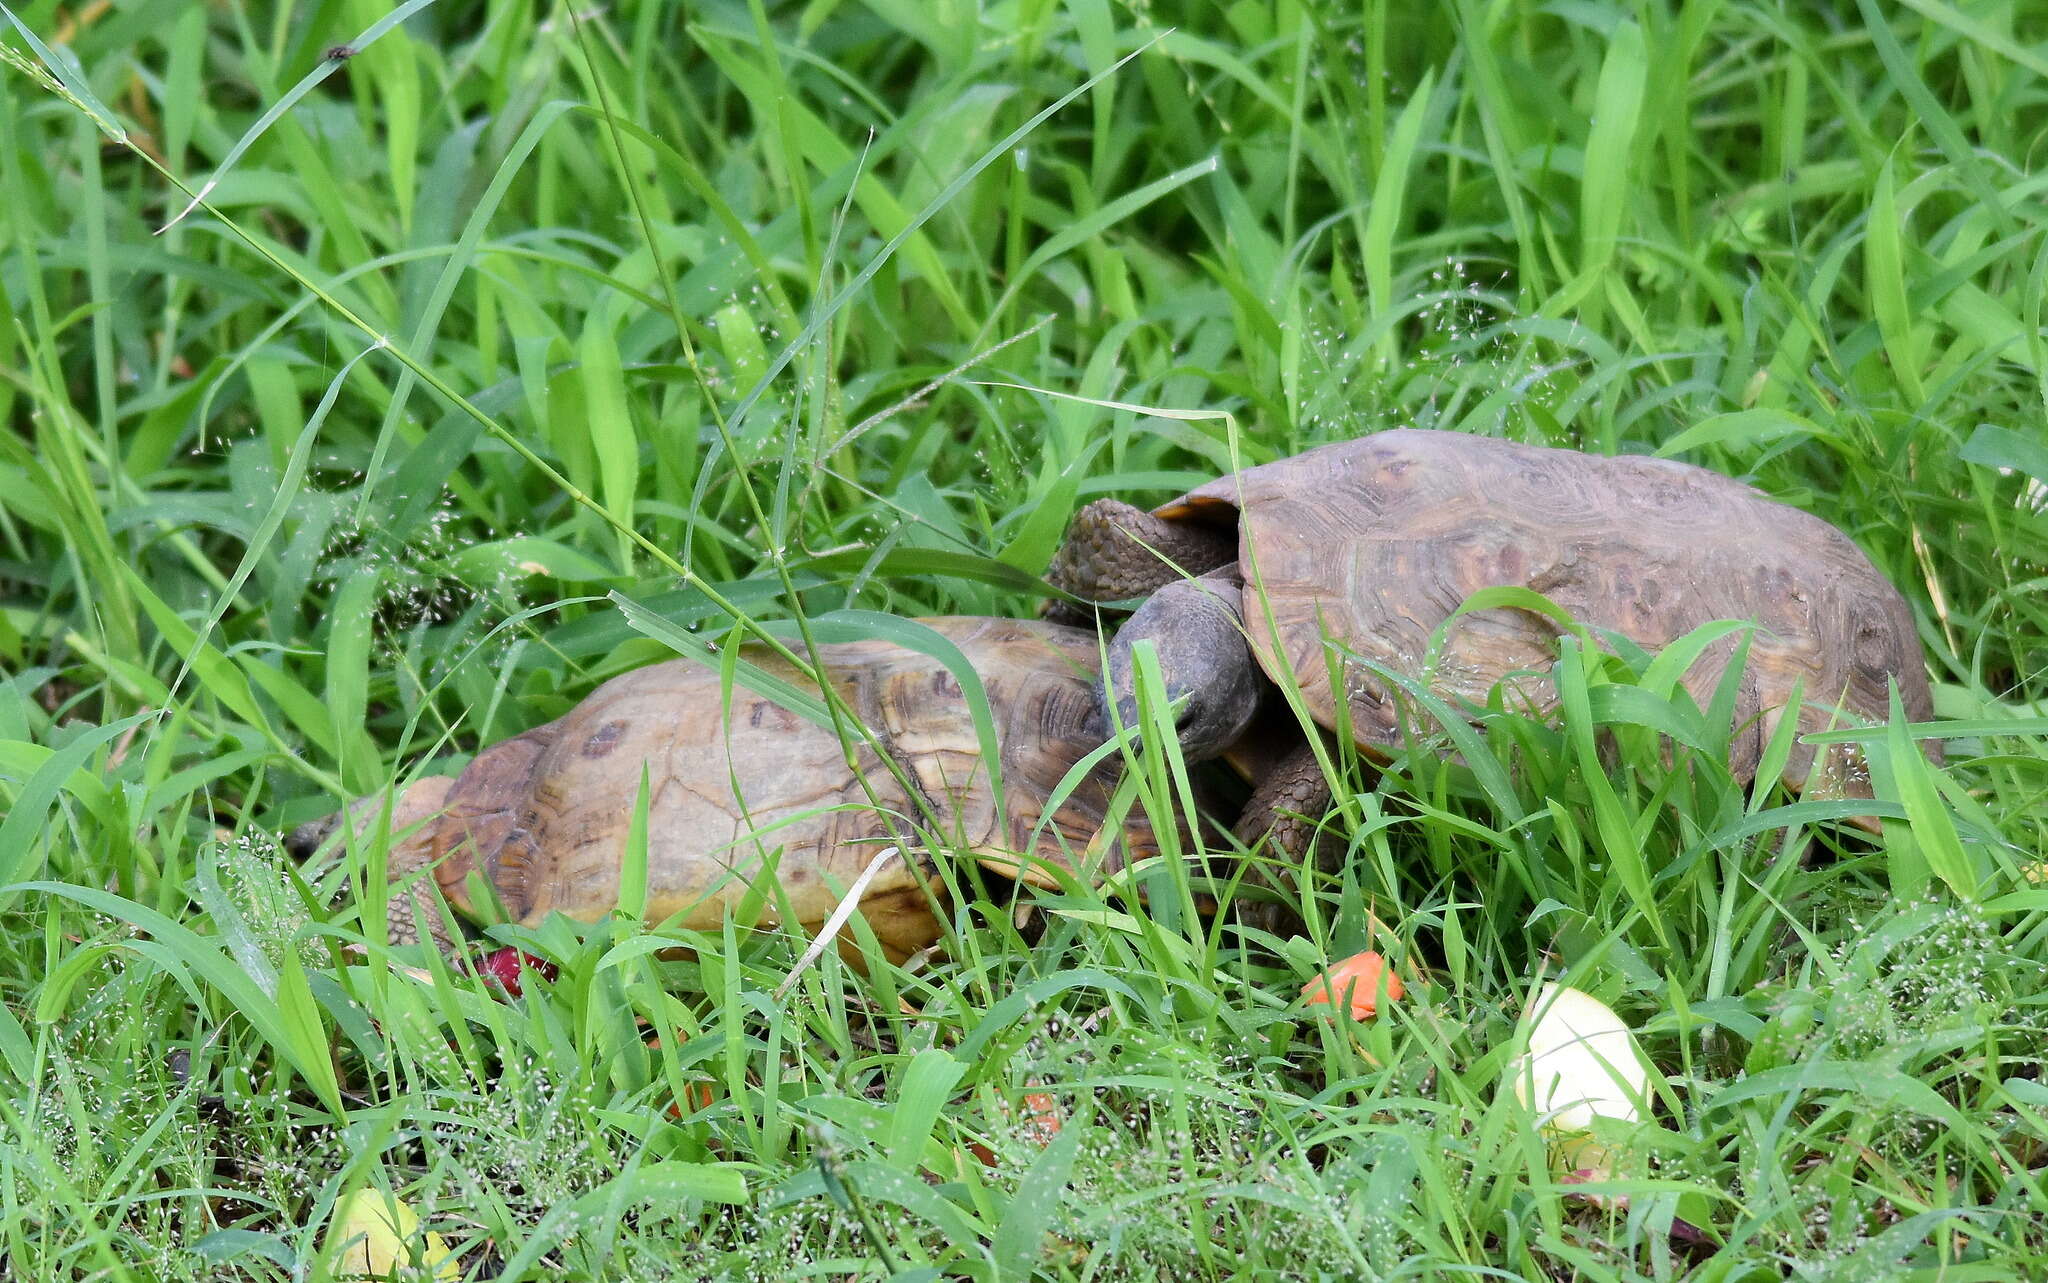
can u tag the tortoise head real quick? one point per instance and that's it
(1210, 676)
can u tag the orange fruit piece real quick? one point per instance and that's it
(1356, 982)
(1042, 1117)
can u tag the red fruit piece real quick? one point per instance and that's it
(502, 967)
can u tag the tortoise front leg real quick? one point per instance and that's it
(1114, 551)
(1287, 808)
(1288, 805)
(413, 910)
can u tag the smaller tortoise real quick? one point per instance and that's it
(544, 816)
(1369, 546)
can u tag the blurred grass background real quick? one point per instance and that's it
(773, 308)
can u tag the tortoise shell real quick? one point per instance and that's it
(544, 816)
(1375, 543)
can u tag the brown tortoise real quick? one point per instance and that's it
(1373, 544)
(543, 817)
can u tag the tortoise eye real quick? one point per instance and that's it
(1875, 653)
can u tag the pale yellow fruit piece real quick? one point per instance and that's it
(1582, 1064)
(375, 1233)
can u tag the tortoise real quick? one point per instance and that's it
(1371, 545)
(544, 816)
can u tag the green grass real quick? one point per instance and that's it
(758, 311)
